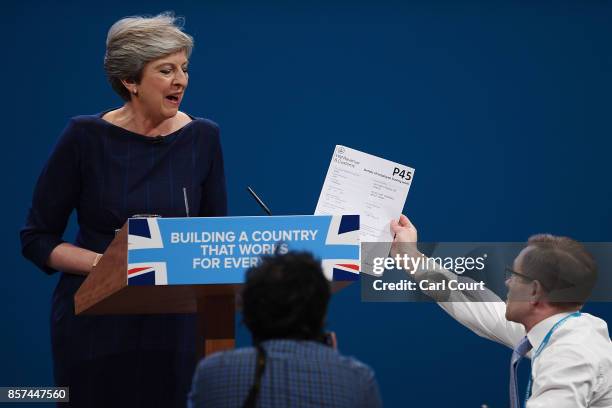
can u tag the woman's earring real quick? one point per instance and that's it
(135, 91)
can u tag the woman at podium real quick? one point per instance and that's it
(143, 157)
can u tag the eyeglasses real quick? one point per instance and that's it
(511, 272)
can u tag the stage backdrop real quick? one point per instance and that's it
(503, 109)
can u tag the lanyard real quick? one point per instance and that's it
(544, 344)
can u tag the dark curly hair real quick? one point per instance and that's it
(286, 297)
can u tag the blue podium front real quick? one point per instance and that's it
(188, 251)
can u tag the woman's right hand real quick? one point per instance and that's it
(72, 259)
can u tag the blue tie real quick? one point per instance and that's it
(517, 355)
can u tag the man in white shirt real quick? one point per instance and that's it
(548, 284)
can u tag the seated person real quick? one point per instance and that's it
(292, 364)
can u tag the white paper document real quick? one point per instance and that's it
(374, 188)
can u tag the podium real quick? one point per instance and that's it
(197, 265)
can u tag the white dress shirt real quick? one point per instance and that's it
(574, 370)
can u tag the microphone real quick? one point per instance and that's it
(261, 203)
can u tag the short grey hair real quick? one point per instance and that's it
(132, 42)
(564, 268)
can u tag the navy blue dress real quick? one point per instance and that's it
(108, 174)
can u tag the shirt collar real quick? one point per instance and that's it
(538, 332)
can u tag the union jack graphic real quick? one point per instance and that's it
(145, 274)
(143, 233)
(343, 230)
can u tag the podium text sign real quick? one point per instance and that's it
(197, 265)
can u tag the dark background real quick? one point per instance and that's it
(503, 109)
